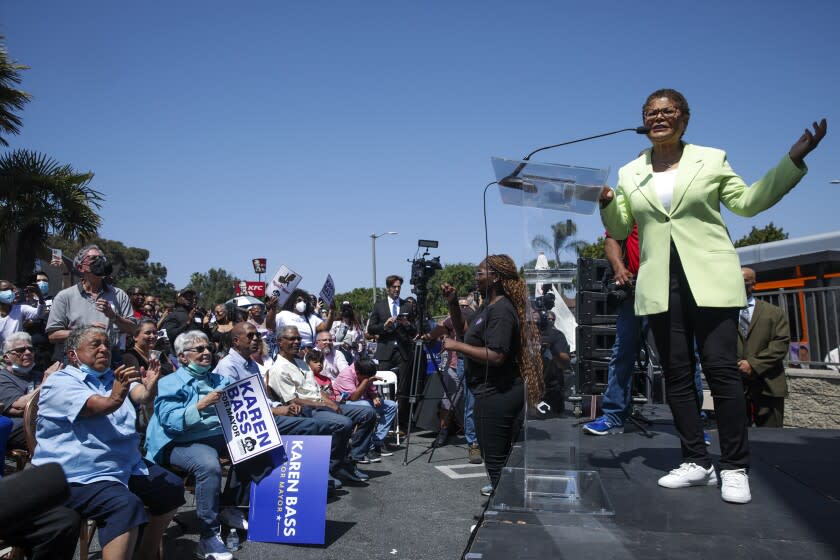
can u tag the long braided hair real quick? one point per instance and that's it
(530, 361)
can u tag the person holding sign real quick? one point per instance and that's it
(185, 432)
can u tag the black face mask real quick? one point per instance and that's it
(99, 266)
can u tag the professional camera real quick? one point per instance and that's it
(543, 304)
(423, 269)
(616, 295)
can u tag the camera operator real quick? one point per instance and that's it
(186, 316)
(618, 394)
(14, 313)
(555, 353)
(392, 323)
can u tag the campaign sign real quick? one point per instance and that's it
(246, 418)
(290, 504)
(328, 291)
(283, 284)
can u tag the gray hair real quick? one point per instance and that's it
(188, 340)
(288, 328)
(13, 339)
(76, 335)
(80, 256)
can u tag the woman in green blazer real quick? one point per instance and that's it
(689, 282)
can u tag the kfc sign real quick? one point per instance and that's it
(256, 289)
(259, 265)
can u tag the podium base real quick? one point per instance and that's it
(558, 491)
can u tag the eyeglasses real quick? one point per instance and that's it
(22, 349)
(667, 112)
(252, 335)
(291, 337)
(199, 349)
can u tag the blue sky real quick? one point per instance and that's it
(222, 131)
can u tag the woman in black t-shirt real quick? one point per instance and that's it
(498, 349)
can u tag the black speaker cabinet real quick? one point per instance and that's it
(590, 275)
(592, 376)
(593, 309)
(594, 342)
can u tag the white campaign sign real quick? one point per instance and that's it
(283, 284)
(246, 418)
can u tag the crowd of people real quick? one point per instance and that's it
(127, 398)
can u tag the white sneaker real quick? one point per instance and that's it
(212, 548)
(689, 474)
(233, 518)
(735, 486)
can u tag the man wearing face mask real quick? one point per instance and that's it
(13, 313)
(93, 301)
(18, 381)
(86, 421)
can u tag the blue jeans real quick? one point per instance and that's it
(618, 394)
(364, 419)
(201, 459)
(386, 411)
(341, 427)
(469, 404)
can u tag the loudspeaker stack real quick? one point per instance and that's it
(595, 333)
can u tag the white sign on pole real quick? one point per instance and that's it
(246, 418)
(283, 284)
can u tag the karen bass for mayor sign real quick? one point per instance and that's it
(290, 504)
(247, 421)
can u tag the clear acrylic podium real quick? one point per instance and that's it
(544, 471)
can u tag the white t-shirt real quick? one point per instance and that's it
(18, 315)
(663, 182)
(306, 328)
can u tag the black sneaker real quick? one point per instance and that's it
(383, 451)
(371, 457)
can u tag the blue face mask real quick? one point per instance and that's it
(90, 371)
(198, 370)
(7, 296)
(44, 287)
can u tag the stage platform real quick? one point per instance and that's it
(794, 513)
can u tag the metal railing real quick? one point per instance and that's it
(814, 317)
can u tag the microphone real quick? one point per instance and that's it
(514, 182)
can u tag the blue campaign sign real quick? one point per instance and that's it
(290, 504)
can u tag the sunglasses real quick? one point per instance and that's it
(22, 349)
(199, 349)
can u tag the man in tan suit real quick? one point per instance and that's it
(763, 342)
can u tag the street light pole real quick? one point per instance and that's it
(373, 238)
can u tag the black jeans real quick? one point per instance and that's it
(498, 418)
(715, 330)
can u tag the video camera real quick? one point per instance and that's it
(543, 304)
(423, 269)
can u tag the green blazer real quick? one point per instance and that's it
(704, 181)
(765, 347)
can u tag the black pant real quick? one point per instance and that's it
(715, 330)
(498, 417)
(51, 535)
(404, 375)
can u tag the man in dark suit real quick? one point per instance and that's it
(391, 322)
(763, 342)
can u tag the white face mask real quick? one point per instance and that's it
(300, 306)
(22, 370)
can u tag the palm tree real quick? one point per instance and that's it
(562, 240)
(39, 197)
(11, 99)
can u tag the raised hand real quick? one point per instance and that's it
(807, 142)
